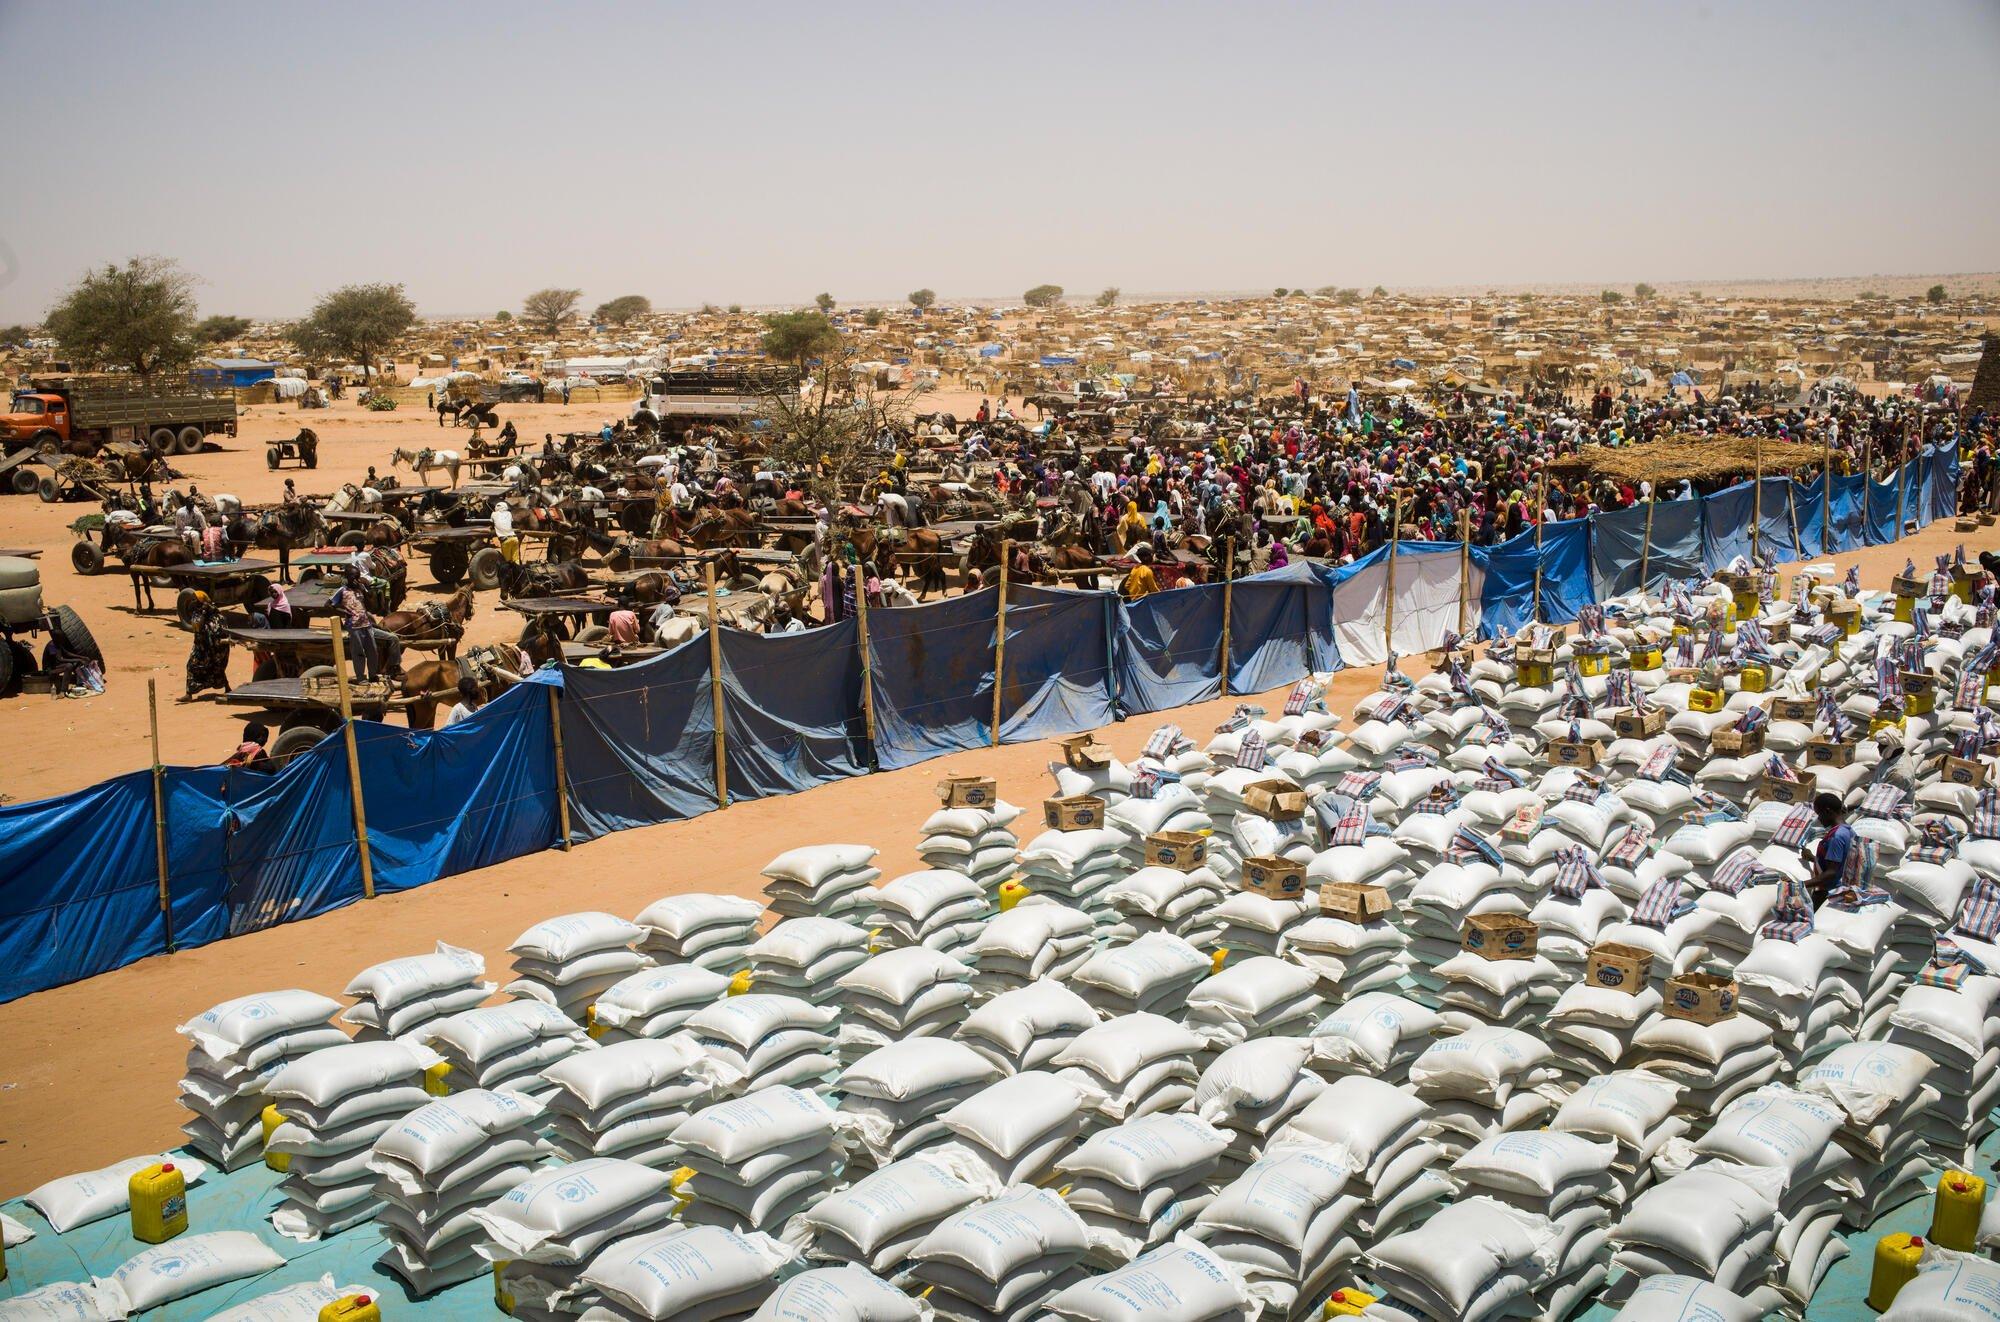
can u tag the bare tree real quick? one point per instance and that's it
(546, 310)
(828, 431)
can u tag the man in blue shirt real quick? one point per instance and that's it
(1829, 859)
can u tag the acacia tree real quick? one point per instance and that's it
(794, 337)
(824, 302)
(923, 299)
(1644, 292)
(1043, 296)
(1109, 297)
(1935, 294)
(546, 310)
(139, 316)
(624, 308)
(359, 322)
(216, 329)
(828, 432)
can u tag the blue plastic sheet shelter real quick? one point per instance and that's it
(932, 671)
(1508, 590)
(791, 707)
(1169, 650)
(1060, 677)
(639, 741)
(1660, 539)
(1280, 628)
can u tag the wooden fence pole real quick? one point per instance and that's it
(1000, 639)
(1389, 596)
(1757, 505)
(1464, 568)
(1902, 467)
(562, 768)
(1228, 593)
(160, 811)
(867, 672)
(1646, 541)
(715, 687)
(1867, 479)
(353, 760)
(1826, 486)
(1541, 517)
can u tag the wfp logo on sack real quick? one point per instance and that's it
(171, 1268)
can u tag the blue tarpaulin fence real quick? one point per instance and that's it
(79, 873)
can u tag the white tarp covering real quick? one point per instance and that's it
(1427, 595)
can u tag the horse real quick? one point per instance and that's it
(426, 460)
(922, 552)
(443, 623)
(285, 529)
(434, 683)
(718, 527)
(541, 580)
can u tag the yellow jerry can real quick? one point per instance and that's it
(159, 1203)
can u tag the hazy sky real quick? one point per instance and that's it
(757, 153)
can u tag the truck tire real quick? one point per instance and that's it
(190, 440)
(7, 667)
(24, 482)
(293, 741)
(49, 489)
(162, 440)
(86, 558)
(484, 569)
(271, 457)
(75, 634)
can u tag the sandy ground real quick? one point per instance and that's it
(45, 736)
(88, 1071)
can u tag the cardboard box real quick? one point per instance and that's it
(1774, 790)
(1910, 587)
(1076, 812)
(1846, 614)
(1779, 631)
(1823, 751)
(1082, 752)
(1527, 819)
(1620, 968)
(1734, 743)
(968, 792)
(1355, 901)
(1585, 753)
(1279, 800)
(1964, 771)
(1705, 700)
(1274, 878)
(1441, 659)
(1501, 936)
(1638, 725)
(1183, 851)
(1702, 998)
(1793, 709)
(1919, 692)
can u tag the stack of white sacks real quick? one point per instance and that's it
(336, 1102)
(911, 992)
(1477, 1258)
(506, 1046)
(978, 843)
(760, 1159)
(711, 932)
(546, 1231)
(1380, 1134)
(938, 909)
(625, 1100)
(1954, 1027)
(1255, 997)
(805, 957)
(1285, 1226)
(1250, 1091)
(1881, 1090)
(1350, 958)
(893, 1097)
(1027, 1028)
(764, 1040)
(1485, 1081)
(1131, 1066)
(1153, 974)
(1014, 1131)
(234, 1049)
(1138, 1183)
(707, 1273)
(1181, 1279)
(1714, 1063)
(566, 962)
(1377, 1033)
(435, 1167)
(654, 1003)
(1157, 899)
(1810, 991)
(400, 996)
(1634, 1111)
(1001, 1259)
(1076, 868)
(876, 1221)
(1034, 939)
(1591, 1027)
(822, 881)
(1568, 1181)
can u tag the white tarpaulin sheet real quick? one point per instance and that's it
(1427, 597)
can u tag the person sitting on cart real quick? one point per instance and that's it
(351, 603)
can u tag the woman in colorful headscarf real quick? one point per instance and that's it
(208, 655)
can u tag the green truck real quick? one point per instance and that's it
(80, 415)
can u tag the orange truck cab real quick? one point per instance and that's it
(172, 418)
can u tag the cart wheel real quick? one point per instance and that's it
(67, 625)
(271, 458)
(352, 537)
(448, 562)
(636, 517)
(185, 606)
(594, 635)
(25, 482)
(312, 458)
(49, 490)
(318, 672)
(86, 558)
(293, 741)
(189, 441)
(485, 568)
